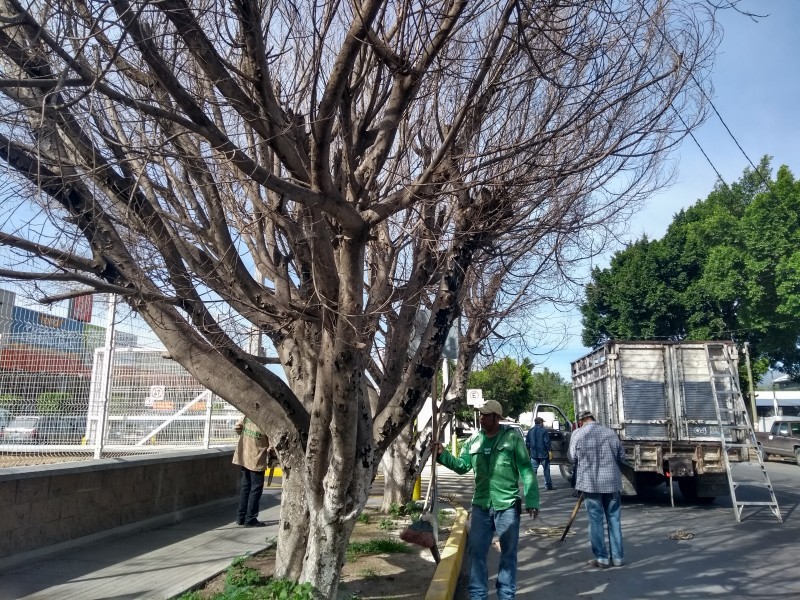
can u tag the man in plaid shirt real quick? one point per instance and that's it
(596, 454)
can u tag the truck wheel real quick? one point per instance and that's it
(797, 456)
(566, 472)
(764, 455)
(688, 488)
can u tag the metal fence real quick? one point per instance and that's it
(76, 390)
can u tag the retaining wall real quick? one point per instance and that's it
(49, 504)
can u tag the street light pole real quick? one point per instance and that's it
(753, 411)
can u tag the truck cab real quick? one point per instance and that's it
(559, 427)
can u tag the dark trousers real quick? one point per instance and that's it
(250, 495)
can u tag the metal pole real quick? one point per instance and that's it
(207, 428)
(750, 383)
(774, 401)
(105, 379)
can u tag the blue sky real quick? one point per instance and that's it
(757, 92)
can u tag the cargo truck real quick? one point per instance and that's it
(658, 398)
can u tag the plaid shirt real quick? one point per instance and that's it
(596, 452)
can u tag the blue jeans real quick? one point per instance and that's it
(483, 525)
(250, 495)
(545, 462)
(602, 509)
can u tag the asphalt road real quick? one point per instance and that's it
(756, 558)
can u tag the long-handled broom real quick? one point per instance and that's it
(559, 543)
(423, 532)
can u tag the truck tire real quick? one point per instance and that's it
(764, 455)
(688, 488)
(797, 456)
(566, 472)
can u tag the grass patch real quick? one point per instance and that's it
(446, 517)
(379, 546)
(368, 573)
(245, 583)
(409, 509)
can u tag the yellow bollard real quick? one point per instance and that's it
(417, 493)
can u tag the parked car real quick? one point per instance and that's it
(5, 418)
(513, 425)
(44, 429)
(783, 439)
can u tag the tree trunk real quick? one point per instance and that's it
(400, 470)
(294, 525)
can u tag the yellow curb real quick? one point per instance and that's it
(443, 586)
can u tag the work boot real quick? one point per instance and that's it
(255, 523)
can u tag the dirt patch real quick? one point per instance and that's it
(398, 576)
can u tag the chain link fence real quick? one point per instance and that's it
(93, 382)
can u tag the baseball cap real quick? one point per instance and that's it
(538, 420)
(585, 414)
(491, 406)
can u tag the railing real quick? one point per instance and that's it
(62, 399)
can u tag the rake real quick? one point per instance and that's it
(559, 543)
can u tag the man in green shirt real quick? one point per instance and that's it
(499, 459)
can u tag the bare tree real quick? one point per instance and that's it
(507, 284)
(360, 156)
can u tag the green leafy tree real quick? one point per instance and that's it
(551, 388)
(508, 382)
(727, 268)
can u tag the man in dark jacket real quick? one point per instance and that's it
(538, 443)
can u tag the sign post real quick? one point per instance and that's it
(475, 400)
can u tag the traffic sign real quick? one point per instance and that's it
(475, 397)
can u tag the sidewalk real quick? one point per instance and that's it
(163, 562)
(150, 565)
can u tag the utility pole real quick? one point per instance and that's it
(754, 415)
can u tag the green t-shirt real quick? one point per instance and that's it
(499, 463)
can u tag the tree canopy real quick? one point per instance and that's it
(727, 268)
(518, 388)
(552, 388)
(508, 382)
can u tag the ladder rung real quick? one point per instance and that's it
(775, 504)
(763, 484)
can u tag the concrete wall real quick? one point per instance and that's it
(50, 504)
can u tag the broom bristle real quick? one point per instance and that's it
(419, 533)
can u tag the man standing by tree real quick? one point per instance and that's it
(499, 459)
(538, 442)
(251, 455)
(596, 452)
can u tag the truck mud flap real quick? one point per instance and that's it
(712, 485)
(628, 481)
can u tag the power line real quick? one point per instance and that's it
(716, 112)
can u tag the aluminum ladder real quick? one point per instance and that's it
(729, 403)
